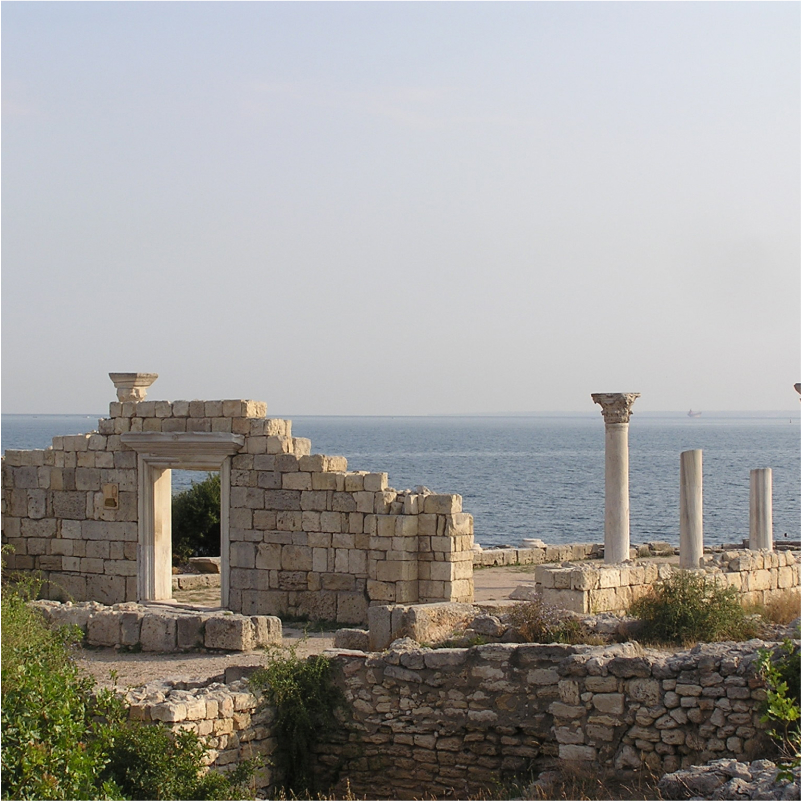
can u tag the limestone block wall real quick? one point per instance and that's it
(307, 537)
(590, 588)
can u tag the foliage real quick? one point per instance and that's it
(52, 743)
(537, 621)
(781, 671)
(63, 740)
(150, 762)
(196, 520)
(305, 699)
(688, 607)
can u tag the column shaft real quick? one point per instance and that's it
(761, 510)
(691, 510)
(616, 474)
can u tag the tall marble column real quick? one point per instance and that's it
(761, 510)
(616, 409)
(691, 510)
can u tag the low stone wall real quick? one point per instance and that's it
(154, 628)
(225, 716)
(195, 581)
(456, 721)
(757, 575)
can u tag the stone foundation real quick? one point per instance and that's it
(757, 575)
(163, 629)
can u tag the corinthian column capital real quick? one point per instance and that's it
(615, 406)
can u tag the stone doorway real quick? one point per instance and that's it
(157, 455)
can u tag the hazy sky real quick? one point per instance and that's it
(402, 208)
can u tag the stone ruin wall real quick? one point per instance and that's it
(307, 537)
(454, 722)
(757, 576)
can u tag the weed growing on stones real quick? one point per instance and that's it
(537, 621)
(305, 699)
(781, 671)
(687, 608)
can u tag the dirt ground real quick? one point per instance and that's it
(108, 666)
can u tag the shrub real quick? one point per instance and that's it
(196, 520)
(537, 621)
(688, 607)
(52, 743)
(781, 671)
(63, 740)
(154, 763)
(305, 699)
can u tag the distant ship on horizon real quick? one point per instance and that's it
(691, 413)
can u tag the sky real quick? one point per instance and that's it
(402, 208)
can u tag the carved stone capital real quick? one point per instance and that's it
(615, 406)
(798, 388)
(132, 386)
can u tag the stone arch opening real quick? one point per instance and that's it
(157, 455)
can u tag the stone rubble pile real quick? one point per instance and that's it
(730, 779)
(161, 628)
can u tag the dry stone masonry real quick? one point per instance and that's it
(454, 721)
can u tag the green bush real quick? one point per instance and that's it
(196, 520)
(61, 739)
(781, 671)
(150, 762)
(305, 699)
(688, 608)
(53, 747)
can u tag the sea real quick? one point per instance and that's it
(542, 476)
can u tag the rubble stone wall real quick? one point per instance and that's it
(226, 716)
(424, 722)
(453, 722)
(307, 537)
(590, 588)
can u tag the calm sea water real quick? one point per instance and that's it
(543, 476)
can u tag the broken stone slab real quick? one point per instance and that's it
(206, 564)
(524, 592)
(352, 639)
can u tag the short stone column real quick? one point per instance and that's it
(616, 409)
(691, 510)
(761, 510)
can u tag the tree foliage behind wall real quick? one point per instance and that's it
(196, 520)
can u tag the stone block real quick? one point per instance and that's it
(159, 633)
(103, 628)
(267, 630)
(351, 607)
(296, 481)
(379, 625)
(229, 633)
(375, 482)
(105, 589)
(352, 639)
(443, 504)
